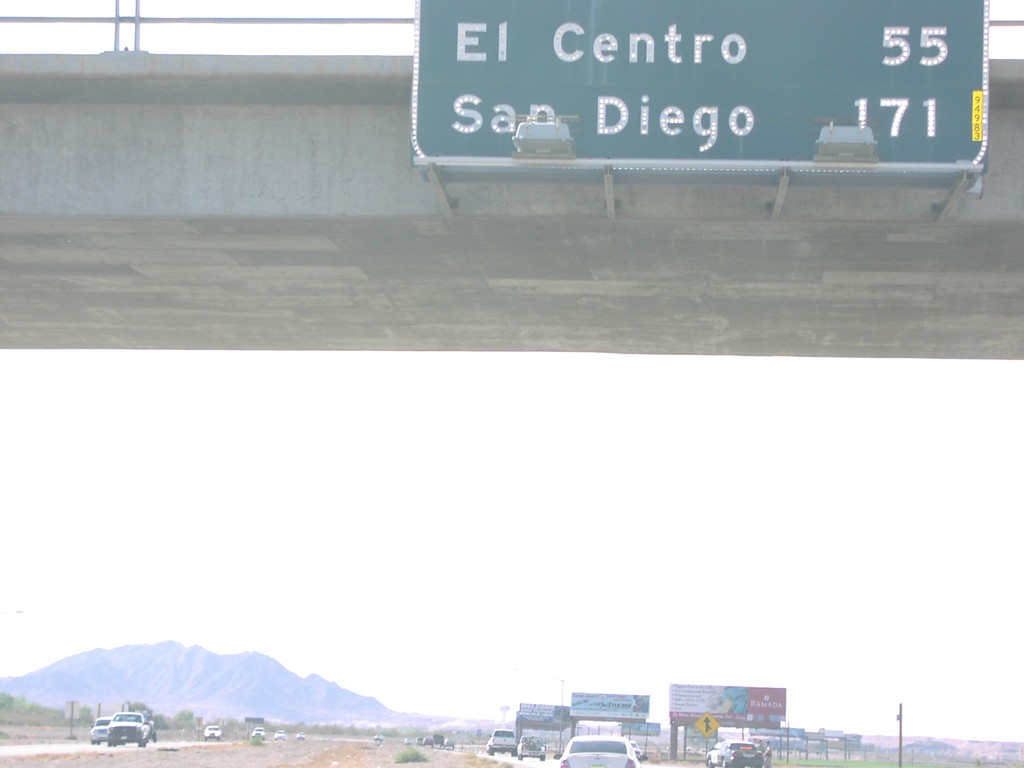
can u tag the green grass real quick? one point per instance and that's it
(410, 755)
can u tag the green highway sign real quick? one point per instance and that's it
(702, 84)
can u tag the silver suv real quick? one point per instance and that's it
(98, 734)
(502, 740)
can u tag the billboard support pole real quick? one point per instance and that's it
(899, 718)
(609, 192)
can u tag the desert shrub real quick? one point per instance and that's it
(17, 711)
(410, 755)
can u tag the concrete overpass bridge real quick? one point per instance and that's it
(211, 202)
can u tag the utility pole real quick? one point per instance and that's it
(899, 717)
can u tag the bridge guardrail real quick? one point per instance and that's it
(137, 21)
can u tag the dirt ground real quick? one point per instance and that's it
(312, 753)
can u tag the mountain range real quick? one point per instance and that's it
(169, 678)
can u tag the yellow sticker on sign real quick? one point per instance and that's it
(978, 116)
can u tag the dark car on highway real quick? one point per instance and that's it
(735, 754)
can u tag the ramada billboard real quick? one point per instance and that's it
(731, 705)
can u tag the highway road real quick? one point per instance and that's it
(78, 747)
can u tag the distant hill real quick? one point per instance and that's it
(170, 678)
(931, 750)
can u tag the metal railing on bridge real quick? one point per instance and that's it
(136, 21)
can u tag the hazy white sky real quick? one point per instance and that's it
(451, 533)
(454, 532)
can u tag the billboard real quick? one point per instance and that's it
(609, 706)
(703, 83)
(544, 713)
(642, 729)
(731, 705)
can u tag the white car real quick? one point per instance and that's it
(280, 736)
(259, 733)
(212, 732)
(531, 746)
(502, 740)
(599, 752)
(300, 736)
(98, 734)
